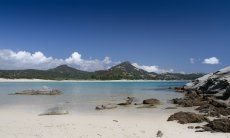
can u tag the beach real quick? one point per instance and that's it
(18, 123)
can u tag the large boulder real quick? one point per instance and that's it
(151, 101)
(187, 117)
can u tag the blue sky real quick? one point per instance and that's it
(155, 34)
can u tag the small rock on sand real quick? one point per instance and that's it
(115, 121)
(159, 134)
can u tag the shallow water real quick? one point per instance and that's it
(82, 97)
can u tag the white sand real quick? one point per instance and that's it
(18, 123)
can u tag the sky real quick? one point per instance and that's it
(155, 35)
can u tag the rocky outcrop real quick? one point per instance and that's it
(103, 107)
(187, 117)
(214, 108)
(215, 84)
(220, 125)
(217, 125)
(190, 99)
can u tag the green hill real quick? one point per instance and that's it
(124, 70)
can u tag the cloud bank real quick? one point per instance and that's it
(212, 61)
(11, 60)
(37, 60)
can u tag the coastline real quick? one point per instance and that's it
(41, 80)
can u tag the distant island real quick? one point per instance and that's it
(124, 70)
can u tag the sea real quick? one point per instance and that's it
(83, 97)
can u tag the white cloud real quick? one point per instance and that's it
(75, 58)
(192, 60)
(155, 69)
(37, 60)
(212, 61)
(107, 60)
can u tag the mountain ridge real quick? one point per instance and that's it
(124, 70)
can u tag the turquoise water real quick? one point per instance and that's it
(84, 96)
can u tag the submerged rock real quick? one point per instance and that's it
(187, 117)
(103, 107)
(44, 91)
(171, 108)
(55, 111)
(147, 106)
(128, 101)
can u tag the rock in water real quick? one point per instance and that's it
(159, 134)
(103, 107)
(128, 101)
(151, 101)
(187, 117)
(56, 111)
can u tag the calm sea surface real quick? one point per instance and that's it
(84, 96)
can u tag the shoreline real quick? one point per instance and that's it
(41, 80)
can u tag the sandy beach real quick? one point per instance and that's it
(19, 123)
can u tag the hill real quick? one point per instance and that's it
(125, 70)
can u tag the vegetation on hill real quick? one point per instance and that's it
(124, 70)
